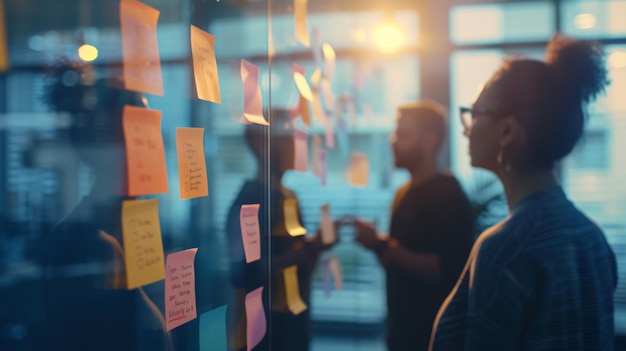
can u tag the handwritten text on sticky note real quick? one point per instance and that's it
(191, 163)
(180, 288)
(145, 154)
(143, 248)
(250, 232)
(204, 65)
(140, 49)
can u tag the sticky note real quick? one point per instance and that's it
(335, 270)
(329, 60)
(359, 170)
(292, 221)
(318, 110)
(315, 154)
(327, 93)
(145, 154)
(204, 65)
(253, 101)
(323, 166)
(329, 133)
(292, 290)
(304, 111)
(143, 248)
(250, 232)
(316, 77)
(300, 18)
(303, 86)
(255, 318)
(317, 47)
(140, 49)
(191, 163)
(180, 288)
(301, 150)
(327, 227)
(213, 330)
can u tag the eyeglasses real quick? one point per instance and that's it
(468, 116)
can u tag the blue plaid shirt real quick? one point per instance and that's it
(541, 280)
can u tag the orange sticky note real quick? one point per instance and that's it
(250, 232)
(191, 163)
(140, 48)
(204, 65)
(180, 288)
(359, 170)
(292, 222)
(303, 86)
(143, 248)
(292, 290)
(301, 152)
(304, 111)
(253, 101)
(145, 154)
(255, 318)
(300, 14)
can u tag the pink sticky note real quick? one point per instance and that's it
(255, 316)
(297, 68)
(329, 133)
(323, 166)
(301, 151)
(253, 102)
(250, 232)
(180, 288)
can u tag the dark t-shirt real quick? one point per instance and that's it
(434, 217)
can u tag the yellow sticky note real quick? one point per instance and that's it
(292, 290)
(359, 170)
(143, 247)
(300, 18)
(204, 65)
(140, 48)
(303, 86)
(292, 221)
(329, 60)
(4, 49)
(191, 163)
(145, 154)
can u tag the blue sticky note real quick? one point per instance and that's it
(213, 330)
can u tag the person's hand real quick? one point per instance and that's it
(366, 235)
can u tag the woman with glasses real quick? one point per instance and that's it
(543, 279)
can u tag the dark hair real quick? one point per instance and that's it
(432, 113)
(94, 104)
(551, 97)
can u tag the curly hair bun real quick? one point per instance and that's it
(579, 65)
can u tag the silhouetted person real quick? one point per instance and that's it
(86, 304)
(431, 229)
(544, 278)
(288, 332)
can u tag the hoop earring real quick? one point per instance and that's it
(507, 167)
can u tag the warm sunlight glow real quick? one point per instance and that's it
(617, 59)
(585, 21)
(388, 38)
(87, 52)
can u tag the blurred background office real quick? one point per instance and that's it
(387, 53)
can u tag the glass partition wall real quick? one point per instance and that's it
(171, 169)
